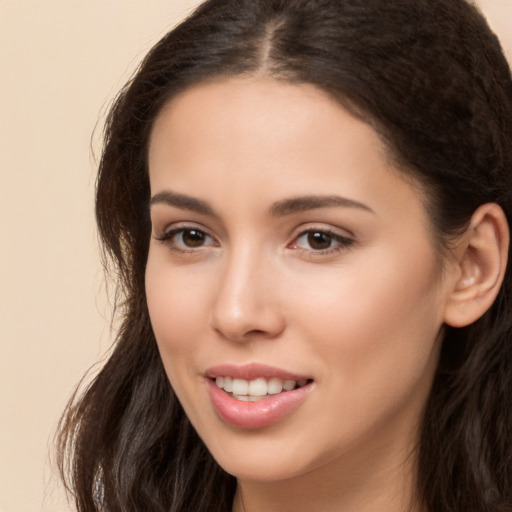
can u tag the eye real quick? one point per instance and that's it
(191, 238)
(321, 241)
(186, 239)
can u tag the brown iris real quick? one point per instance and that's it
(319, 241)
(193, 238)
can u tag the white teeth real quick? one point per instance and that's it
(240, 387)
(258, 388)
(228, 384)
(248, 398)
(275, 386)
(288, 385)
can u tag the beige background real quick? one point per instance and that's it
(61, 61)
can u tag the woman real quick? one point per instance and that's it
(307, 206)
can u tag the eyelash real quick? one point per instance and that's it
(342, 242)
(167, 238)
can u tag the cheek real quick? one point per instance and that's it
(177, 307)
(177, 311)
(376, 328)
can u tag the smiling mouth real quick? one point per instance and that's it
(259, 388)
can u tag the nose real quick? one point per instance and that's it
(246, 305)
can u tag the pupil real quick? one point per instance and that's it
(193, 238)
(319, 241)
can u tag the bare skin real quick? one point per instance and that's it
(283, 236)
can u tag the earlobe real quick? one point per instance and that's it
(481, 265)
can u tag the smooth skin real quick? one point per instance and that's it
(350, 291)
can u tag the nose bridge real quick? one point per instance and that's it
(246, 302)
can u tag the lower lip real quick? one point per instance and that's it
(253, 415)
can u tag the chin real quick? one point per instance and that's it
(265, 457)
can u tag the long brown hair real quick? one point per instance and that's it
(431, 78)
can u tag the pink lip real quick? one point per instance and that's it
(254, 415)
(251, 371)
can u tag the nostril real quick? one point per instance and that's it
(256, 332)
(241, 333)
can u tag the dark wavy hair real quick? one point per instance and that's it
(431, 78)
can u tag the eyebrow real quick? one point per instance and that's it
(304, 203)
(278, 209)
(183, 202)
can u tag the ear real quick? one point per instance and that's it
(481, 261)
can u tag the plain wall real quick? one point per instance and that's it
(61, 61)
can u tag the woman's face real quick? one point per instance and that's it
(287, 251)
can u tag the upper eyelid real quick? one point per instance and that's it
(343, 236)
(329, 231)
(333, 234)
(298, 231)
(167, 239)
(324, 228)
(184, 225)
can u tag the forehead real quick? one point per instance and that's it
(244, 107)
(259, 118)
(241, 137)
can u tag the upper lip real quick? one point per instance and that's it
(251, 371)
